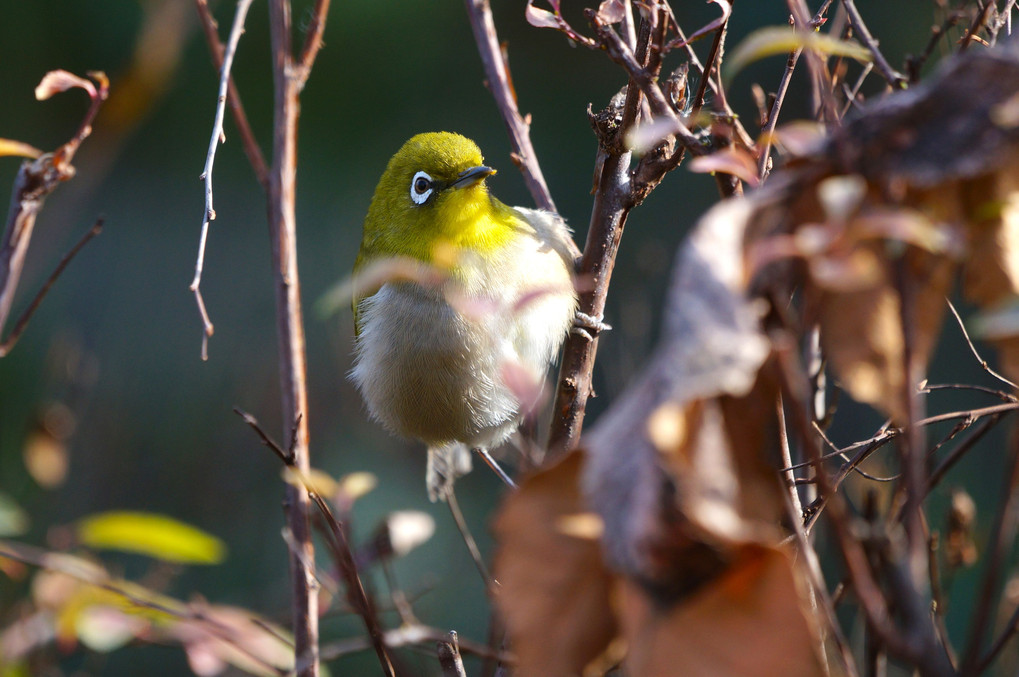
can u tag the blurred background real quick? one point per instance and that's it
(109, 373)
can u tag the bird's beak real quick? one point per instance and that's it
(471, 176)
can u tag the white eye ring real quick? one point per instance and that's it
(421, 188)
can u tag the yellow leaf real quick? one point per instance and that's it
(18, 148)
(777, 40)
(153, 535)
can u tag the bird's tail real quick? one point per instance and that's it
(445, 464)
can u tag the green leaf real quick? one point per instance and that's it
(779, 40)
(153, 535)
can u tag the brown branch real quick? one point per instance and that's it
(346, 564)
(32, 185)
(497, 73)
(612, 204)
(1000, 545)
(977, 24)
(290, 326)
(894, 78)
(313, 38)
(1011, 627)
(22, 323)
(449, 657)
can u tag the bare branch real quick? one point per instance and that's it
(894, 78)
(497, 73)
(233, 97)
(22, 323)
(210, 157)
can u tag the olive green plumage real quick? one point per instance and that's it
(440, 358)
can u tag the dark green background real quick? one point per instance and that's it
(155, 429)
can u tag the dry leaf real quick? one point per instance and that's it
(555, 589)
(752, 621)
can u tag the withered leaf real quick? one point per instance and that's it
(555, 593)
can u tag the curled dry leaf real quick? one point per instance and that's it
(58, 81)
(730, 160)
(748, 622)
(556, 593)
(540, 18)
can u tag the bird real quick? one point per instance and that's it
(454, 337)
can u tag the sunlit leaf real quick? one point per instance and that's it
(773, 40)
(60, 81)
(13, 520)
(153, 535)
(611, 11)
(731, 160)
(555, 595)
(540, 18)
(18, 148)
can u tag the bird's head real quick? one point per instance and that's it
(433, 197)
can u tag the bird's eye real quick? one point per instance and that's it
(421, 188)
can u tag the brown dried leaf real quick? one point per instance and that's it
(731, 160)
(540, 18)
(555, 593)
(58, 81)
(752, 621)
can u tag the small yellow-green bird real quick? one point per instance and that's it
(441, 357)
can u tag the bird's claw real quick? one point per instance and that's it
(589, 326)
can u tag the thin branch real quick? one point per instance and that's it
(22, 323)
(233, 97)
(1000, 545)
(497, 73)
(33, 184)
(411, 635)
(768, 133)
(894, 78)
(468, 539)
(313, 39)
(288, 80)
(342, 553)
(1010, 630)
(449, 657)
(210, 157)
(977, 24)
(973, 349)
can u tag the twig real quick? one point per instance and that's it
(1000, 545)
(343, 555)
(33, 184)
(313, 39)
(894, 78)
(468, 539)
(288, 80)
(977, 24)
(356, 595)
(973, 348)
(233, 97)
(449, 657)
(486, 456)
(497, 73)
(410, 635)
(768, 133)
(1010, 630)
(22, 322)
(210, 157)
